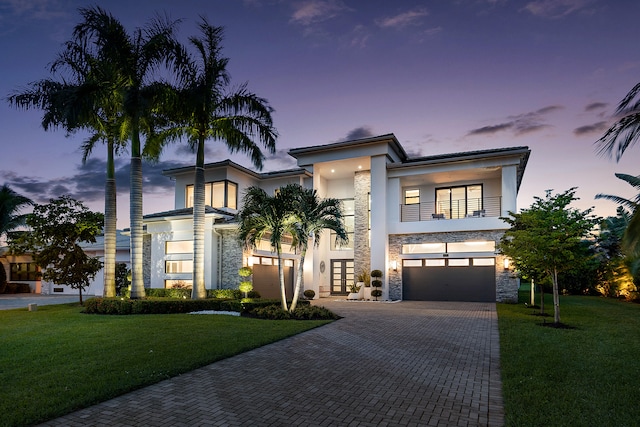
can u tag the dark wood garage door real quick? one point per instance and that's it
(266, 282)
(449, 282)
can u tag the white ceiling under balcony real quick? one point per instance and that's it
(342, 169)
(459, 175)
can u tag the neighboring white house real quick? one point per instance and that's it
(431, 224)
(22, 269)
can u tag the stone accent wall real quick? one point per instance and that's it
(231, 259)
(146, 260)
(361, 250)
(506, 282)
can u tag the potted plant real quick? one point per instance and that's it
(309, 293)
(376, 283)
(364, 280)
(354, 291)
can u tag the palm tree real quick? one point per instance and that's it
(312, 215)
(212, 111)
(625, 131)
(265, 216)
(78, 99)
(11, 203)
(631, 238)
(136, 57)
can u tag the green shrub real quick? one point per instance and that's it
(271, 312)
(253, 294)
(313, 312)
(157, 306)
(249, 305)
(224, 293)
(168, 293)
(376, 273)
(309, 293)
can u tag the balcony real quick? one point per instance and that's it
(455, 209)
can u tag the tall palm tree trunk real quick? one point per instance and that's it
(283, 288)
(110, 225)
(296, 290)
(198, 291)
(135, 216)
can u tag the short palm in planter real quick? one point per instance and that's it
(376, 283)
(364, 280)
(354, 291)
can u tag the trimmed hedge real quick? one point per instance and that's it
(304, 312)
(186, 293)
(157, 306)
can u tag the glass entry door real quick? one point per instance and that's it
(342, 276)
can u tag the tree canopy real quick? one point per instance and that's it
(55, 233)
(547, 237)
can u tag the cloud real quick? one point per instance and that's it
(491, 129)
(281, 160)
(520, 124)
(87, 183)
(44, 10)
(596, 106)
(359, 133)
(411, 17)
(359, 36)
(313, 11)
(598, 127)
(555, 8)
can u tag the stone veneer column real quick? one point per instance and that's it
(361, 251)
(231, 262)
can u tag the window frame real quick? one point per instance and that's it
(449, 210)
(228, 201)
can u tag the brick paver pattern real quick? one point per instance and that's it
(408, 363)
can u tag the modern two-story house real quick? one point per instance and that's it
(431, 224)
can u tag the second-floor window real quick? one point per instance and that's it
(411, 197)
(20, 271)
(348, 212)
(460, 201)
(218, 194)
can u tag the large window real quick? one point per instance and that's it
(24, 271)
(348, 212)
(219, 194)
(179, 266)
(459, 202)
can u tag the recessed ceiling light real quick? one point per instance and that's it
(333, 170)
(359, 166)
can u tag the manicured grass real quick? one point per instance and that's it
(586, 376)
(57, 360)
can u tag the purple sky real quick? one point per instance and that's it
(444, 76)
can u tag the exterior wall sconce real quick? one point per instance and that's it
(394, 265)
(506, 263)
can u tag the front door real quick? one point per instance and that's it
(342, 276)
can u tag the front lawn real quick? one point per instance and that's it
(57, 360)
(586, 376)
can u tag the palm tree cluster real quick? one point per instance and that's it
(293, 211)
(128, 87)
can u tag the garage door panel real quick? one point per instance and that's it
(267, 283)
(474, 283)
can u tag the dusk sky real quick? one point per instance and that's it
(443, 76)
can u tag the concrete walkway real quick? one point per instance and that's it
(11, 301)
(384, 364)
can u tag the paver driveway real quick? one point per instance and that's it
(383, 364)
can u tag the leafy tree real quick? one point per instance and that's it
(56, 231)
(208, 109)
(312, 216)
(135, 57)
(263, 216)
(547, 237)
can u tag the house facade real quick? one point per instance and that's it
(430, 224)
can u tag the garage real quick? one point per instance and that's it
(455, 279)
(266, 281)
